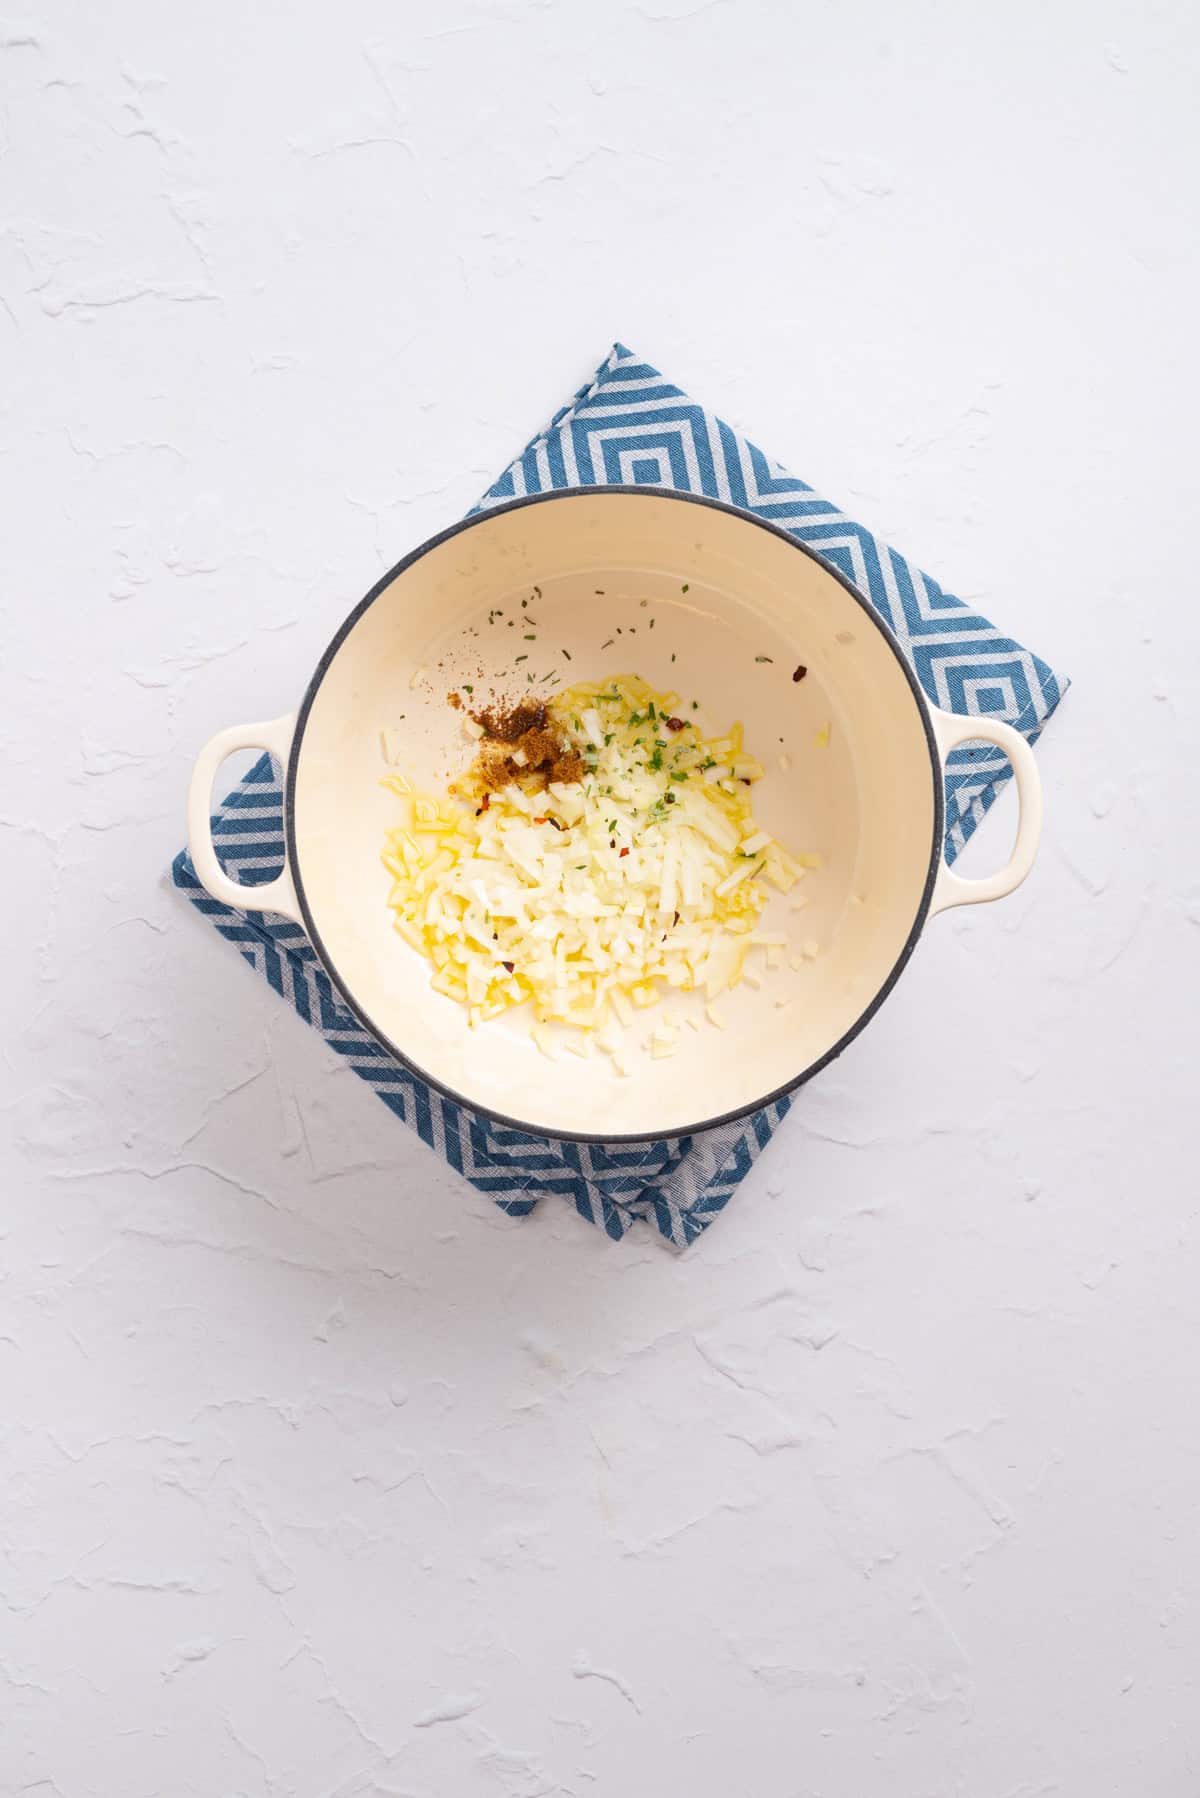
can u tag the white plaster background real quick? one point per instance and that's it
(319, 1476)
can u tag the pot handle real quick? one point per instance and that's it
(278, 895)
(951, 729)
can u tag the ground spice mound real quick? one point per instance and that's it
(521, 745)
(508, 723)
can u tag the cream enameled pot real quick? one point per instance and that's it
(738, 606)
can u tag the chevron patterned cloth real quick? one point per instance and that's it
(628, 424)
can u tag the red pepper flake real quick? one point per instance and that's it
(800, 672)
(539, 820)
(621, 853)
(674, 723)
(507, 964)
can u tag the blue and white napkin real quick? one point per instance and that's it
(630, 424)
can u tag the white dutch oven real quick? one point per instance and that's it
(738, 606)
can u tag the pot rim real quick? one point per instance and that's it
(359, 1010)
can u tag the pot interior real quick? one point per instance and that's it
(737, 609)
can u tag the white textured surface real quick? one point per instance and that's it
(320, 1477)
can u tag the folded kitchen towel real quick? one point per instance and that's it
(629, 424)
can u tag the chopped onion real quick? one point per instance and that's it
(651, 877)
